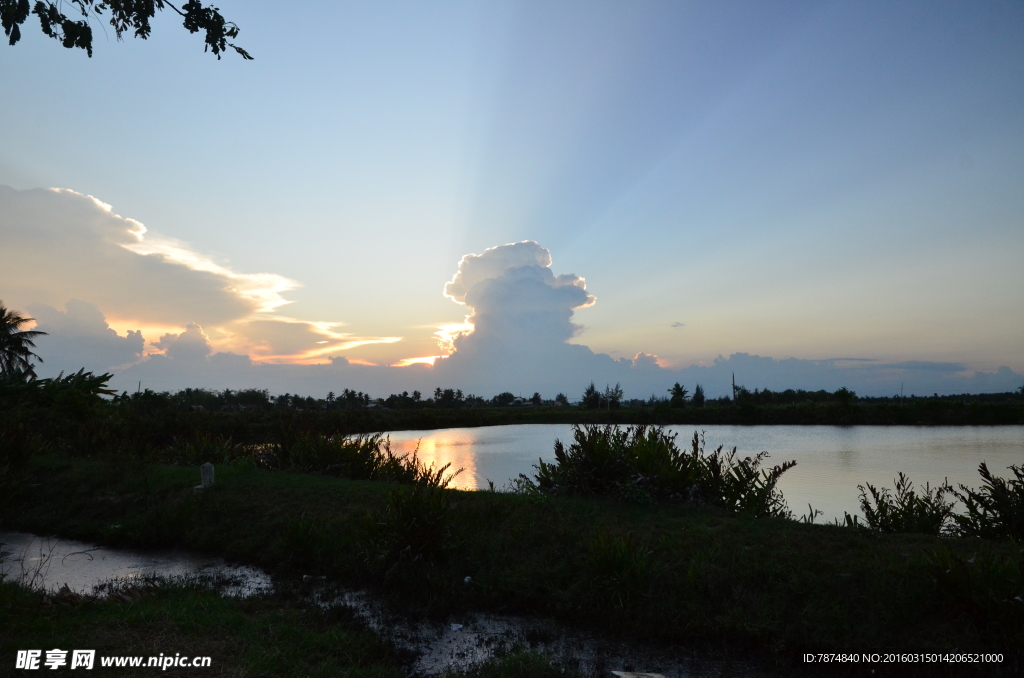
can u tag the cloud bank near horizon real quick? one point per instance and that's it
(80, 337)
(197, 323)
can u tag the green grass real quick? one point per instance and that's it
(265, 636)
(252, 637)
(768, 588)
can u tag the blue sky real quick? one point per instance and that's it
(790, 180)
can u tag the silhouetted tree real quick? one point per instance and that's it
(447, 397)
(591, 397)
(679, 394)
(845, 396)
(562, 398)
(504, 399)
(536, 399)
(125, 16)
(612, 397)
(698, 396)
(253, 397)
(16, 344)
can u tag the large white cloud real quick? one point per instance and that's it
(515, 300)
(521, 320)
(493, 263)
(190, 345)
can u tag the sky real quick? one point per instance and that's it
(809, 195)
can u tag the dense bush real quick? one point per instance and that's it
(644, 462)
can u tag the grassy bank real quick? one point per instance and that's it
(767, 588)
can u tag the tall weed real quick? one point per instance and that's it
(361, 457)
(417, 524)
(203, 448)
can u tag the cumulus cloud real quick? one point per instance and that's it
(190, 345)
(643, 361)
(493, 263)
(78, 337)
(520, 315)
(517, 334)
(516, 301)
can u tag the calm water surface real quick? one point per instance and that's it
(831, 460)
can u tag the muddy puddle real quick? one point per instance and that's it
(458, 643)
(50, 564)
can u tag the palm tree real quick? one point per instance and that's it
(15, 343)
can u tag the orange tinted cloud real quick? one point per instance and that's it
(61, 245)
(424, 360)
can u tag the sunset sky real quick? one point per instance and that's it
(806, 181)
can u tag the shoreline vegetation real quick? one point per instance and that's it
(624, 533)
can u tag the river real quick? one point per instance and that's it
(831, 460)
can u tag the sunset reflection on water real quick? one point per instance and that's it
(453, 446)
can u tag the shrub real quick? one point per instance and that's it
(17, 444)
(203, 448)
(996, 511)
(927, 512)
(644, 461)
